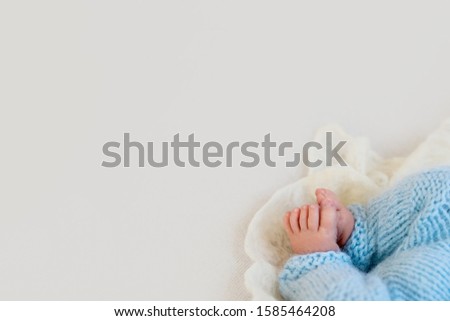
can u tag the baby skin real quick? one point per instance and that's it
(396, 246)
(325, 226)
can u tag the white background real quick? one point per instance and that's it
(76, 74)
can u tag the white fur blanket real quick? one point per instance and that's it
(366, 175)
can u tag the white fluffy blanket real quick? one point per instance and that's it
(366, 175)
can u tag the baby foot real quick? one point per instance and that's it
(310, 231)
(345, 219)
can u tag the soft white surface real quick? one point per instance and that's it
(365, 176)
(76, 74)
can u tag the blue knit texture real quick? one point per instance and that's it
(398, 250)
